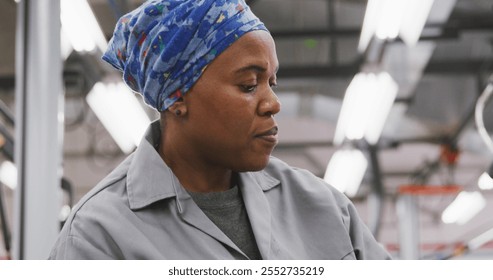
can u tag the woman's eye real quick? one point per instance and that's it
(248, 88)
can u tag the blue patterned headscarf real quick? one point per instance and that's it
(163, 46)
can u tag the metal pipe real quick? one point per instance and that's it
(332, 26)
(38, 147)
(375, 202)
(479, 108)
(4, 225)
(407, 212)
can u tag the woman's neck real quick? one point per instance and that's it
(195, 175)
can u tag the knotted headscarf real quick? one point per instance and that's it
(163, 46)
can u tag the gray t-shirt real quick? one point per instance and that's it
(227, 211)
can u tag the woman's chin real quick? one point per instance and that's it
(253, 165)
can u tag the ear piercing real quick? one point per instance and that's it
(178, 112)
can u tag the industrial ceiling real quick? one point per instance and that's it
(439, 81)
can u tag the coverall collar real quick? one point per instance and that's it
(149, 180)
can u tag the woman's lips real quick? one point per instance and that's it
(269, 135)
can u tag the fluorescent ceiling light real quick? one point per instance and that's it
(118, 109)
(346, 170)
(485, 182)
(8, 174)
(480, 240)
(65, 46)
(64, 213)
(81, 27)
(388, 18)
(365, 108)
(370, 23)
(465, 206)
(414, 20)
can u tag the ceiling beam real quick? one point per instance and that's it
(315, 71)
(472, 67)
(7, 82)
(450, 30)
(459, 67)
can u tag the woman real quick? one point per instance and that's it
(202, 184)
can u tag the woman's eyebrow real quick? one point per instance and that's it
(252, 67)
(255, 68)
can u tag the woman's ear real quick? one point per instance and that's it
(179, 108)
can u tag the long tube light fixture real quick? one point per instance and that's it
(366, 105)
(386, 19)
(8, 174)
(346, 170)
(485, 182)
(125, 120)
(65, 46)
(480, 240)
(465, 206)
(81, 27)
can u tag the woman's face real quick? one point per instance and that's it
(229, 121)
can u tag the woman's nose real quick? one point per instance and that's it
(270, 105)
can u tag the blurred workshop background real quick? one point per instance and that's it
(387, 100)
